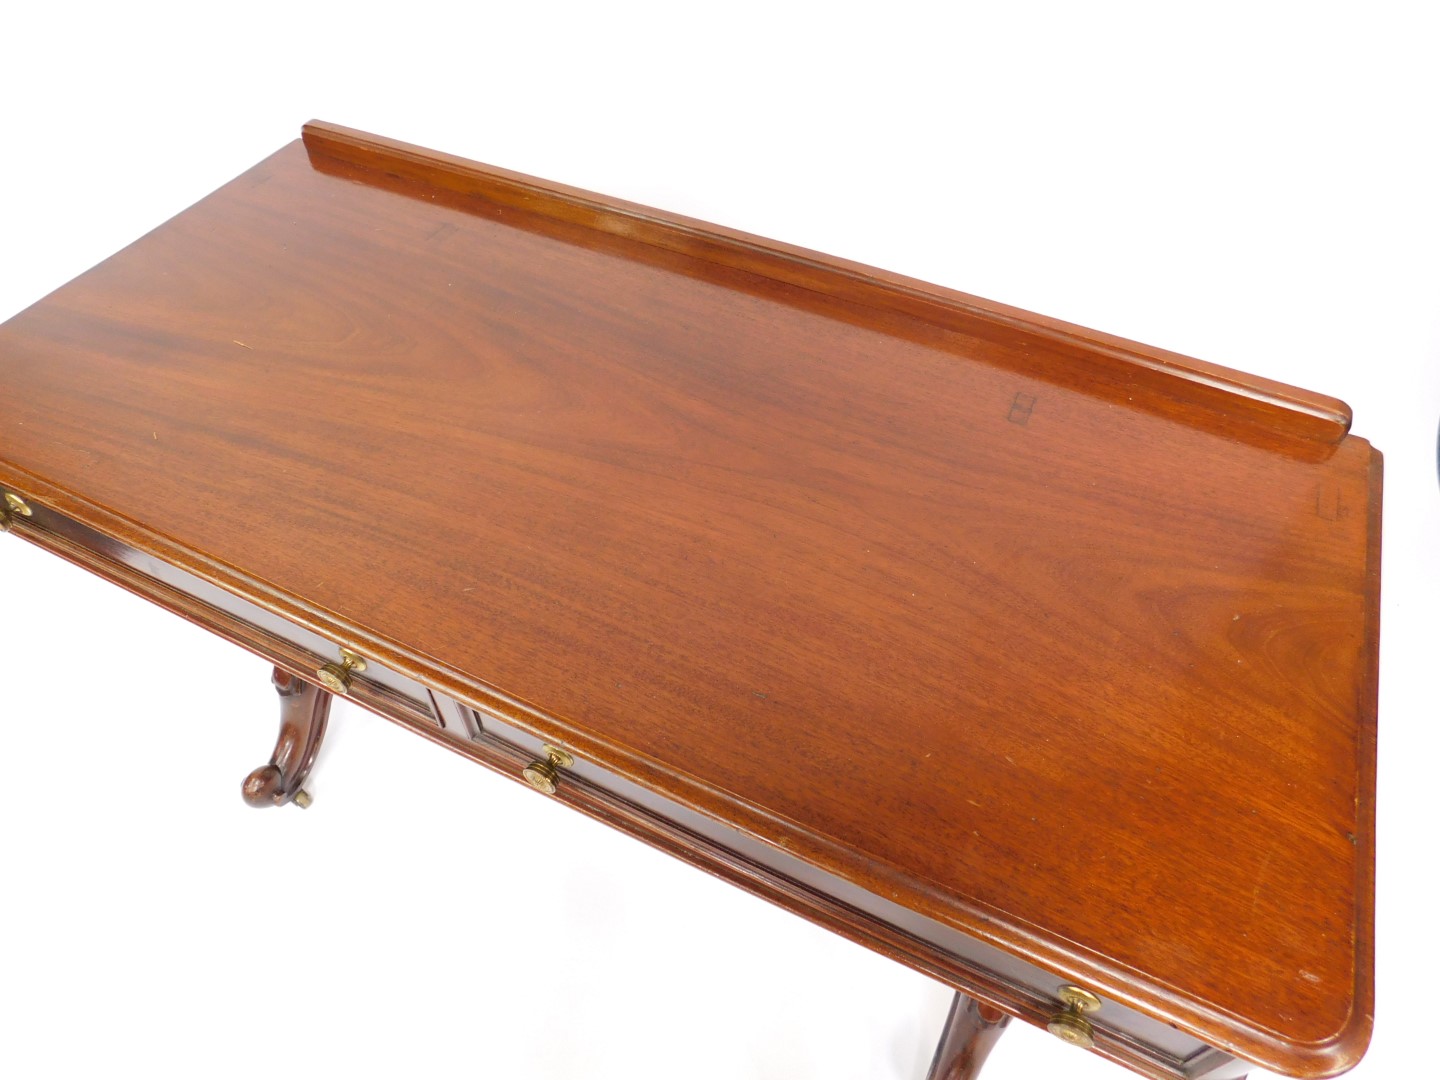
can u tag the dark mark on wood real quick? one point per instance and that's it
(1021, 408)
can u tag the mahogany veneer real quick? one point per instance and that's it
(1025, 654)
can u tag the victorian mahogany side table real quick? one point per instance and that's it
(1075, 638)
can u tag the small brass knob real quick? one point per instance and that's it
(545, 775)
(336, 677)
(1071, 1025)
(14, 507)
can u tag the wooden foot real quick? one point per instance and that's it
(304, 709)
(971, 1032)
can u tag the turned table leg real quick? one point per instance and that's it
(971, 1032)
(304, 709)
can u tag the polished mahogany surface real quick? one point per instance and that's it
(1064, 641)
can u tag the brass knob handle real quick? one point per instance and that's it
(336, 677)
(13, 507)
(1071, 1024)
(545, 775)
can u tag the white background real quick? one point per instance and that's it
(1252, 184)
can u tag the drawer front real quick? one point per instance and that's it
(257, 629)
(1147, 1045)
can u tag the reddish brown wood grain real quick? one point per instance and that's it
(1064, 641)
(304, 714)
(1275, 407)
(971, 1031)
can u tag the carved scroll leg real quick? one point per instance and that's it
(971, 1032)
(304, 709)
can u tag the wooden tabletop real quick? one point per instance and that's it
(1062, 640)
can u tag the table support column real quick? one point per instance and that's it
(971, 1032)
